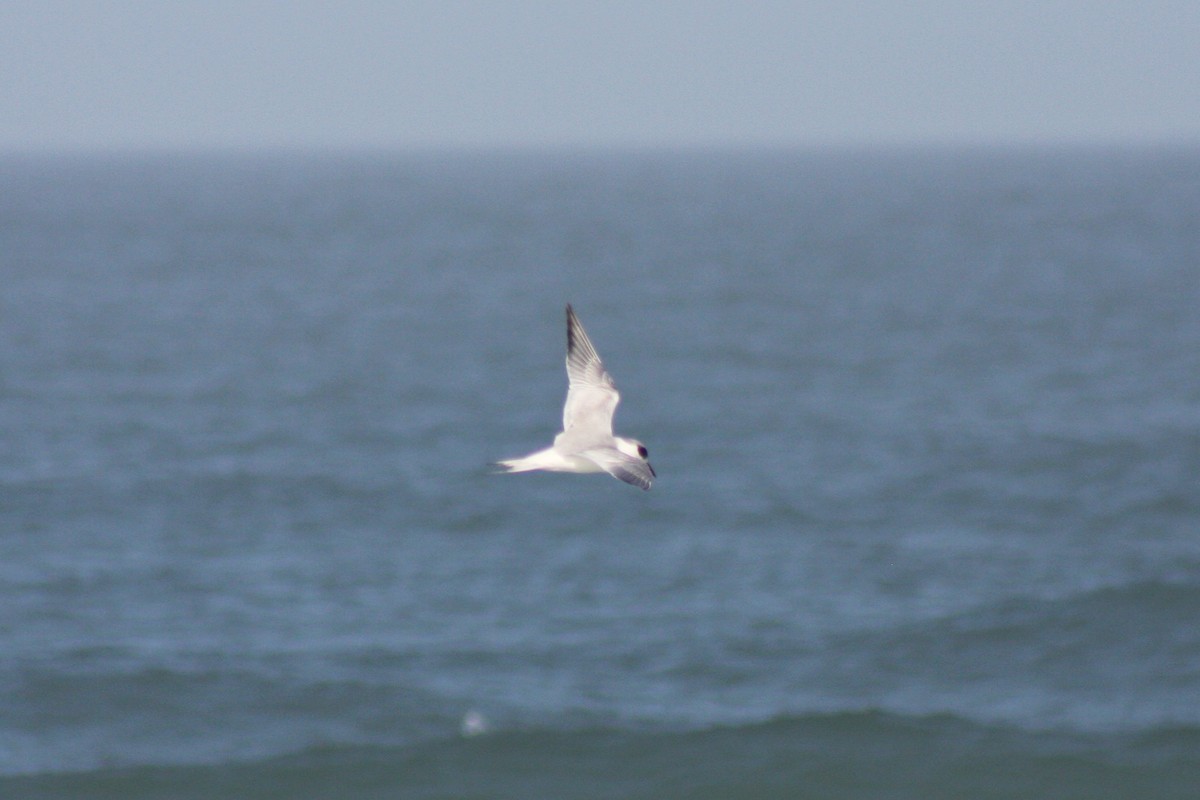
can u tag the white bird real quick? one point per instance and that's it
(586, 443)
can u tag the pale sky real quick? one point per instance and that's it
(350, 74)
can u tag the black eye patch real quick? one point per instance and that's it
(642, 451)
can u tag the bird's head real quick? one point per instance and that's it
(635, 449)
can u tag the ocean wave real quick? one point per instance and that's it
(1107, 661)
(845, 755)
(1103, 610)
(1151, 614)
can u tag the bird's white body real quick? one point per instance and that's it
(587, 443)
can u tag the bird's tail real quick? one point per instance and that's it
(542, 459)
(510, 465)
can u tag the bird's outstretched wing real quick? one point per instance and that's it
(592, 396)
(626, 468)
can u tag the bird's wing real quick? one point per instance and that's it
(591, 396)
(620, 466)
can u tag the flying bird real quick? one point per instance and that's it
(587, 443)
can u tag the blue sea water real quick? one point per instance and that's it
(926, 425)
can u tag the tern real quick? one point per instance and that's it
(587, 443)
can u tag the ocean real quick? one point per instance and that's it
(926, 424)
